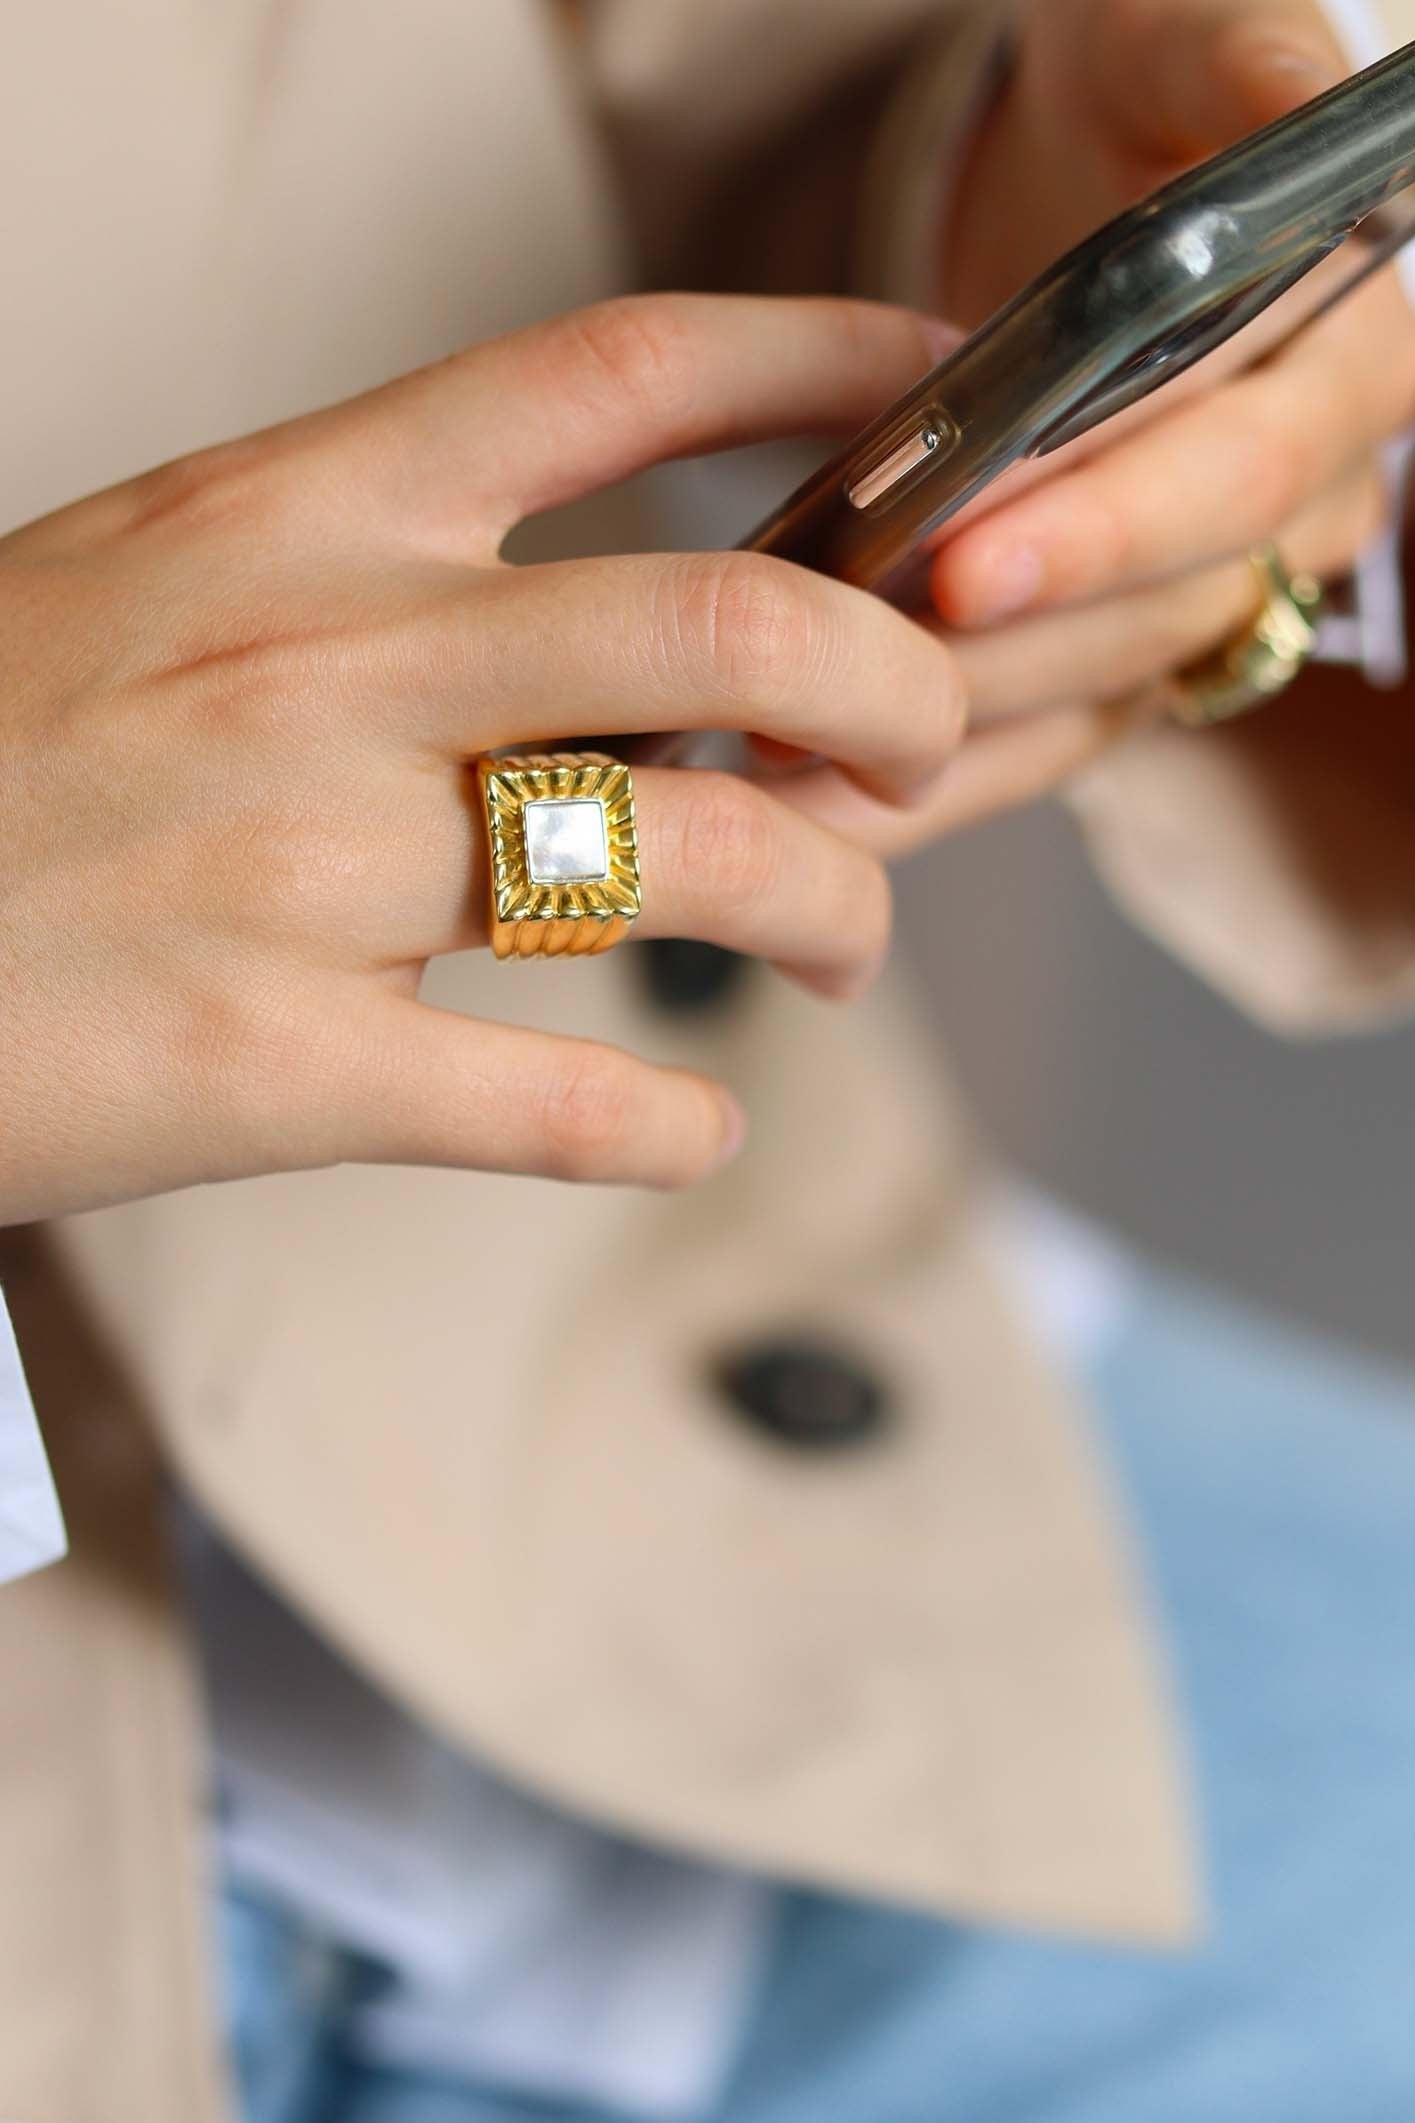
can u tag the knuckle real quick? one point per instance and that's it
(727, 838)
(227, 487)
(238, 1049)
(211, 1039)
(260, 692)
(287, 865)
(642, 345)
(586, 1114)
(746, 627)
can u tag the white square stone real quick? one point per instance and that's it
(567, 841)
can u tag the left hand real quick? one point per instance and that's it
(1070, 599)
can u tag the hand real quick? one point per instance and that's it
(240, 698)
(1128, 559)
(1104, 101)
(1083, 582)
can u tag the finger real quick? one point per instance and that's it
(1109, 649)
(525, 423)
(720, 862)
(1209, 480)
(1177, 79)
(998, 770)
(724, 863)
(706, 641)
(433, 1088)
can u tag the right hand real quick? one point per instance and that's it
(240, 697)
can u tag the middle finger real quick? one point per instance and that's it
(694, 641)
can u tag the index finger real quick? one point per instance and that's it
(547, 415)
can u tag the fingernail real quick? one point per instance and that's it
(734, 1132)
(1012, 584)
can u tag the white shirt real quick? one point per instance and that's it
(31, 1525)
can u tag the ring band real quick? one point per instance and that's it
(1263, 660)
(564, 853)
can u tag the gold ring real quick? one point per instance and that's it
(1261, 661)
(564, 853)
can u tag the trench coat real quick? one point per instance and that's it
(525, 1506)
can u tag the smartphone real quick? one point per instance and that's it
(1127, 312)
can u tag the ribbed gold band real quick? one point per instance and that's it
(564, 853)
(1263, 660)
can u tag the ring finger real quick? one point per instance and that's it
(721, 862)
(1111, 649)
(726, 863)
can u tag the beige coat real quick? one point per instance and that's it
(922, 1671)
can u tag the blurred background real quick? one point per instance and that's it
(1105, 1072)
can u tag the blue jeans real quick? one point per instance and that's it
(1273, 1482)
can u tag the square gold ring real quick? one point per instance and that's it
(564, 852)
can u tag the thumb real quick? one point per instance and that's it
(1187, 80)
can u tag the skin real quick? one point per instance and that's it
(241, 696)
(1068, 601)
(242, 691)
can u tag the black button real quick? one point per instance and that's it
(683, 977)
(806, 1394)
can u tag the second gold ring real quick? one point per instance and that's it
(1262, 660)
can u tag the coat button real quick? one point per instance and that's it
(683, 977)
(807, 1395)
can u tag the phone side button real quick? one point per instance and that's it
(906, 456)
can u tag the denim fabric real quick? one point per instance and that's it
(1273, 1484)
